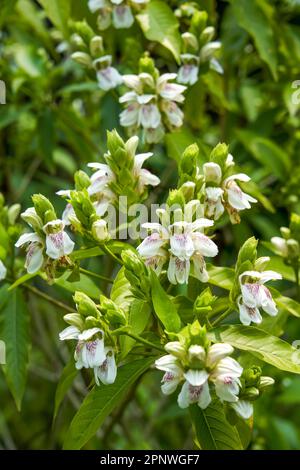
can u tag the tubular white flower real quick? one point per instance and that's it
(58, 242)
(212, 172)
(280, 245)
(90, 350)
(107, 371)
(188, 72)
(236, 197)
(194, 394)
(122, 17)
(243, 408)
(34, 252)
(71, 332)
(108, 77)
(256, 295)
(3, 271)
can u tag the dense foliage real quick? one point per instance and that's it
(149, 224)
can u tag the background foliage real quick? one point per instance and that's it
(55, 121)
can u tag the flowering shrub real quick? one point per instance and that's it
(156, 239)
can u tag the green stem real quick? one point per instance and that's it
(49, 299)
(140, 340)
(223, 316)
(98, 276)
(110, 253)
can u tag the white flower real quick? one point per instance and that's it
(256, 295)
(107, 371)
(187, 248)
(197, 368)
(108, 77)
(34, 251)
(236, 198)
(151, 103)
(90, 351)
(58, 242)
(280, 246)
(188, 72)
(100, 179)
(117, 11)
(3, 271)
(122, 17)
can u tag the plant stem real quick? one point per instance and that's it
(110, 253)
(98, 276)
(142, 340)
(47, 297)
(222, 317)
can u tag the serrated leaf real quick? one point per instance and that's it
(15, 334)
(66, 379)
(159, 24)
(212, 429)
(164, 308)
(254, 17)
(268, 348)
(100, 402)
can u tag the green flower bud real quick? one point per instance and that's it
(188, 190)
(82, 180)
(203, 303)
(85, 305)
(82, 58)
(74, 319)
(113, 312)
(265, 382)
(198, 23)
(285, 232)
(252, 376)
(176, 348)
(31, 218)
(114, 142)
(146, 65)
(219, 155)
(207, 34)
(189, 159)
(96, 46)
(247, 252)
(261, 263)
(84, 30)
(293, 248)
(13, 213)
(133, 262)
(42, 206)
(91, 322)
(100, 231)
(175, 198)
(190, 42)
(251, 394)
(197, 334)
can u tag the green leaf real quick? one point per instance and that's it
(15, 334)
(255, 18)
(221, 277)
(58, 11)
(85, 285)
(267, 153)
(268, 348)
(277, 264)
(138, 318)
(285, 303)
(100, 402)
(163, 306)
(177, 142)
(159, 24)
(212, 429)
(66, 379)
(121, 291)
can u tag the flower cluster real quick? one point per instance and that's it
(203, 369)
(221, 191)
(48, 241)
(152, 103)
(116, 12)
(183, 244)
(93, 350)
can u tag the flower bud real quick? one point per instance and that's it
(31, 218)
(74, 319)
(265, 382)
(83, 29)
(13, 213)
(219, 155)
(199, 21)
(113, 312)
(82, 180)
(82, 58)
(175, 198)
(188, 190)
(261, 263)
(99, 230)
(176, 349)
(293, 248)
(285, 232)
(207, 34)
(42, 206)
(280, 245)
(85, 305)
(251, 394)
(252, 376)
(146, 65)
(190, 41)
(96, 46)
(212, 173)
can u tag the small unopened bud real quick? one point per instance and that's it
(96, 46)
(212, 172)
(261, 263)
(99, 230)
(85, 305)
(146, 65)
(252, 376)
(207, 34)
(251, 393)
(43, 206)
(82, 180)
(74, 319)
(188, 190)
(176, 349)
(285, 232)
(293, 248)
(82, 58)
(190, 41)
(265, 382)
(280, 245)
(31, 218)
(13, 213)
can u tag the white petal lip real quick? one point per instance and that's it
(71, 332)
(217, 352)
(227, 367)
(243, 408)
(34, 258)
(140, 158)
(204, 245)
(196, 377)
(197, 351)
(239, 176)
(151, 245)
(122, 17)
(248, 315)
(88, 334)
(167, 363)
(27, 238)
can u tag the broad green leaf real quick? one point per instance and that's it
(15, 334)
(66, 379)
(58, 11)
(268, 348)
(85, 284)
(121, 291)
(255, 18)
(159, 24)
(212, 429)
(267, 153)
(277, 264)
(285, 303)
(138, 318)
(164, 308)
(177, 142)
(221, 277)
(100, 402)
